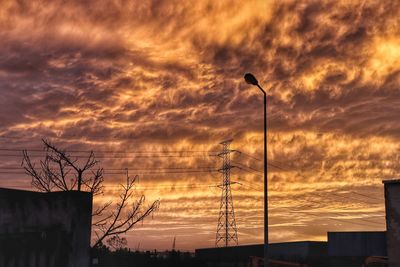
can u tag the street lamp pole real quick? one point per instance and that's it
(250, 79)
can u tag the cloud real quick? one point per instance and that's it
(167, 76)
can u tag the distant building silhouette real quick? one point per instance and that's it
(343, 249)
(45, 229)
(356, 244)
(353, 248)
(313, 252)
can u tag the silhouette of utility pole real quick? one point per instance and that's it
(173, 244)
(226, 228)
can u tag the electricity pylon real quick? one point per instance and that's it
(226, 228)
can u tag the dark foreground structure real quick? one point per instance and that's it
(45, 229)
(347, 249)
(127, 258)
(251, 255)
(392, 204)
(342, 249)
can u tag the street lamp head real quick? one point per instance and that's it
(250, 79)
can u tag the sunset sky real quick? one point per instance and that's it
(158, 77)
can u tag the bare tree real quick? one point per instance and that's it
(58, 166)
(111, 224)
(117, 243)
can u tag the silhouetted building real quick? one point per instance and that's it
(352, 248)
(392, 203)
(343, 249)
(229, 256)
(45, 229)
(311, 253)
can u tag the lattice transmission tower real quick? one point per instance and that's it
(226, 228)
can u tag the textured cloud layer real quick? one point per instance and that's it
(167, 76)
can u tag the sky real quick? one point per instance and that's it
(159, 77)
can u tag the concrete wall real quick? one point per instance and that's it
(392, 203)
(356, 244)
(45, 229)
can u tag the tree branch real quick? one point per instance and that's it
(118, 225)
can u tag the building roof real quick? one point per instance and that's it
(391, 181)
(10, 192)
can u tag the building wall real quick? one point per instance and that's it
(392, 203)
(45, 229)
(298, 251)
(310, 252)
(230, 254)
(356, 244)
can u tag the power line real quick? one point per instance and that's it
(339, 214)
(117, 157)
(69, 136)
(367, 196)
(109, 151)
(132, 169)
(256, 170)
(162, 186)
(357, 199)
(245, 166)
(282, 168)
(367, 222)
(248, 155)
(249, 186)
(324, 196)
(165, 154)
(149, 172)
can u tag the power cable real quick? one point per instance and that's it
(108, 151)
(137, 173)
(117, 157)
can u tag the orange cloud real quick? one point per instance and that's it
(167, 76)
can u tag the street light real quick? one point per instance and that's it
(250, 79)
